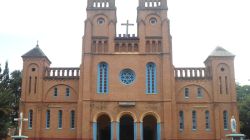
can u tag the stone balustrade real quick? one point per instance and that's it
(62, 73)
(191, 73)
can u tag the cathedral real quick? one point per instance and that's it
(126, 87)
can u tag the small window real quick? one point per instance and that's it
(67, 91)
(199, 93)
(186, 92)
(181, 119)
(30, 119)
(72, 119)
(194, 120)
(153, 20)
(100, 21)
(33, 69)
(47, 119)
(60, 113)
(55, 91)
(207, 117)
(225, 120)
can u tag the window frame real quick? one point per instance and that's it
(194, 120)
(186, 92)
(102, 78)
(225, 120)
(48, 115)
(72, 119)
(181, 120)
(55, 93)
(60, 119)
(30, 119)
(67, 94)
(151, 78)
(207, 120)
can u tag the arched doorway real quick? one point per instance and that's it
(149, 128)
(126, 128)
(103, 128)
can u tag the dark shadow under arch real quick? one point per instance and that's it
(149, 128)
(103, 127)
(126, 128)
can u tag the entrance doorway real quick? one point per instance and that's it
(103, 128)
(126, 128)
(149, 128)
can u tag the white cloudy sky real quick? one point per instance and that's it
(197, 27)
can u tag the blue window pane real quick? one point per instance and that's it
(151, 86)
(102, 78)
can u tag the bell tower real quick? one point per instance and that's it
(153, 26)
(100, 26)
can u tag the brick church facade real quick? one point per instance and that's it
(127, 87)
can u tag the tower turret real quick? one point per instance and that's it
(100, 26)
(34, 64)
(153, 26)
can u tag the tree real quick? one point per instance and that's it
(243, 97)
(10, 92)
(5, 101)
(15, 86)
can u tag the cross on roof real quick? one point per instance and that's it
(127, 25)
(21, 119)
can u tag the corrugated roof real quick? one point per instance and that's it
(219, 51)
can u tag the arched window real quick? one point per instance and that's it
(67, 91)
(186, 92)
(225, 119)
(55, 91)
(60, 113)
(72, 119)
(207, 117)
(151, 85)
(102, 78)
(194, 120)
(30, 119)
(48, 119)
(181, 120)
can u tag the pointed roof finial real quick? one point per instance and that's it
(37, 43)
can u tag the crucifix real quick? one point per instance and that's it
(21, 119)
(127, 25)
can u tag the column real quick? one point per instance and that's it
(135, 130)
(158, 131)
(112, 130)
(118, 131)
(141, 130)
(94, 131)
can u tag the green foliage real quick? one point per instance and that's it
(9, 99)
(243, 96)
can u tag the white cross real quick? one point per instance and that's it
(127, 25)
(21, 119)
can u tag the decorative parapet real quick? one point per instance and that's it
(126, 43)
(191, 73)
(62, 73)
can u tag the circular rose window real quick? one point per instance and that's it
(127, 76)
